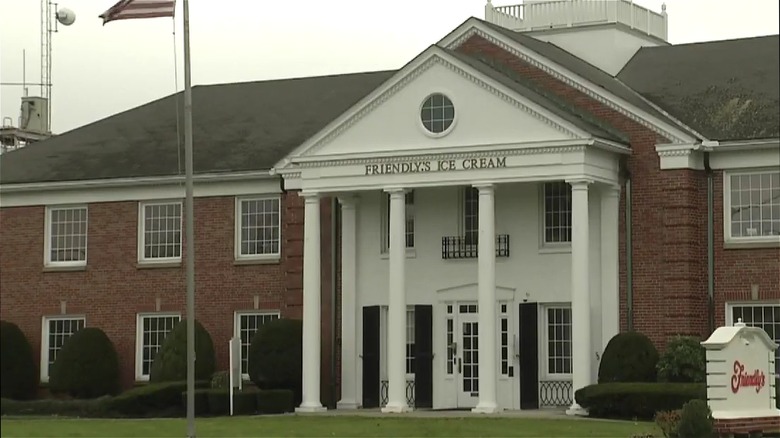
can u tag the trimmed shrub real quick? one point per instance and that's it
(201, 401)
(275, 401)
(276, 356)
(684, 361)
(87, 366)
(88, 408)
(220, 380)
(628, 357)
(17, 366)
(153, 400)
(696, 420)
(668, 421)
(219, 402)
(637, 400)
(245, 402)
(170, 363)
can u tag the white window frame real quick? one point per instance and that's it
(48, 236)
(139, 339)
(44, 369)
(771, 240)
(410, 340)
(545, 341)
(464, 192)
(544, 245)
(141, 232)
(237, 327)
(237, 227)
(409, 210)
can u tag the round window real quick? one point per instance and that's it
(437, 113)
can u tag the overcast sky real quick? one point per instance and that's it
(99, 71)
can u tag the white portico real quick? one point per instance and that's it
(435, 171)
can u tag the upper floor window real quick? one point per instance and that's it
(258, 225)
(471, 215)
(66, 236)
(752, 206)
(160, 231)
(409, 209)
(557, 213)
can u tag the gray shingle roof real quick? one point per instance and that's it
(726, 90)
(236, 127)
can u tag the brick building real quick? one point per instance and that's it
(636, 186)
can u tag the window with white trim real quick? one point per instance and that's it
(258, 225)
(409, 210)
(410, 346)
(504, 340)
(556, 208)
(160, 231)
(558, 342)
(471, 215)
(246, 325)
(56, 330)
(752, 206)
(66, 236)
(151, 333)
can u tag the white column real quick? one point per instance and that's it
(348, 303)
(311, 305)
(486, 277)
(580, 299)
(610, 279)
(396, 312)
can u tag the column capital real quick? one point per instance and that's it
(484, 188)
(348, 200)
(310, 196)
(396, 191)
(611, 190)
(579, 183)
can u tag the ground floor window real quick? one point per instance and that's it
(56, 330)
(557, 343)
(410, 350)
(504, 341)
(152, 331)
(246, 325)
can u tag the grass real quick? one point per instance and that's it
(326, 426)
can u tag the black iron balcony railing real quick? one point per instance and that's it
(459, 247)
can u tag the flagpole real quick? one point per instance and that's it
(190, 223)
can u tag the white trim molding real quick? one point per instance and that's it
(741, 154)
(680, 156)
(137, 189)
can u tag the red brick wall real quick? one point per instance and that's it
(736, 270)
(112, 289)
(747, 425)
(669, 255)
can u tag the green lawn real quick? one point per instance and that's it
(326, 426)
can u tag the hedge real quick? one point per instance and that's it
(637, 400)
(170, 363)
(628, 357)
(87, 366)
(275, 401)
(155, 400)
(18, 371)
(84, 408)
(275, 356)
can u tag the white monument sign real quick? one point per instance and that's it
(741, 373)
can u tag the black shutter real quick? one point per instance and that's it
(371, 357)
(423, 358)
(529, 356)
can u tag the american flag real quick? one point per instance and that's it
(127, 9)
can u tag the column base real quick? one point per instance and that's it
(576, 409)
(310, 407)
(486, 408)
(346, 405)
(396, 408)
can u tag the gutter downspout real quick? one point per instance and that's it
(629, 249)
(333, 240)
(710, 244)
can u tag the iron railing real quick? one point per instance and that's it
(555, 393)
(460, 247)
(383, 388)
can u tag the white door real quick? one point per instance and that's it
(467, 356)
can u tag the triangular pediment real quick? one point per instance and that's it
(487, 112)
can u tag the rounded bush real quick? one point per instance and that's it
(17, 365)
(695, 420)
(87, 366)
(628, 357)
(684, 361)
(170, 363)
(276, 355)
